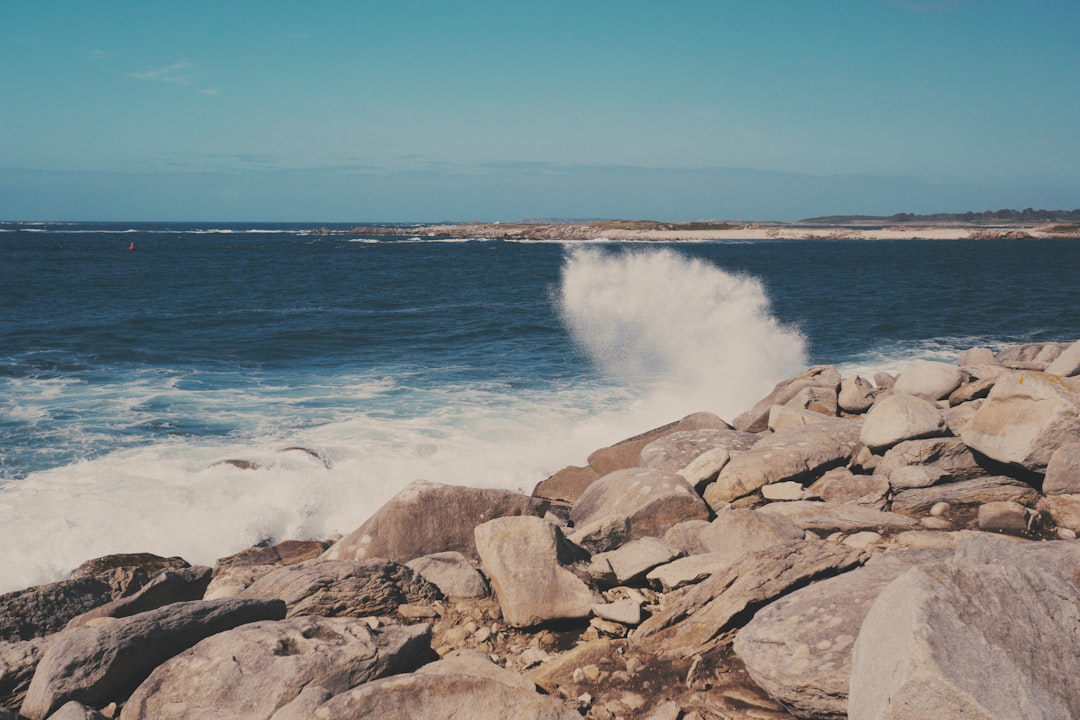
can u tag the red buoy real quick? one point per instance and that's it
(131, 246)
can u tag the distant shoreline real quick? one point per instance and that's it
(645, 231)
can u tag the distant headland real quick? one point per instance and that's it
(1001, 224)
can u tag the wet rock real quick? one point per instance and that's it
(44, 609)
(168, 586)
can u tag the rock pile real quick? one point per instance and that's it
(901, 549)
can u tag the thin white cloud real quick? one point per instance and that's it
(171, 74)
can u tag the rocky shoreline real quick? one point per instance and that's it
(902, 548)
(646, 231)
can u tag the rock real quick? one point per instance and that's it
(426, 518)
(1064, 510)
(44, 609)
(343, 588)
(166, 587)
(559, 671)
(856, 395)
(687, 570)
(831, 516)
(966, 492)
(288, 552)
(820, 400)
(255, 670)
(1005, 516)
(1025, 418)
(477, 664)
(840, 485)
(97, 665)
(442, 697)
(653, 500)
(625, 612)
(791, 454)
(1033, 356)
(901, 417)
(782, 491)
(784, 416)
(567, 484)
(755, 420)
(233, 580)
(1063, 471)
(676, 450)
(798, 648)
(76, 711)
(740, 531)
(884, 380)
(631, 561)
(1067, 364)
(703, 469)
(18, 660)
(976, 356)
(941, 459)
(520, 556)
(971, 391)
(959, 418)
(127, 572)
(602, 534)
(929, 380)
(452, 574)
(685, 536)
(627, 453)
(939, 641)
(692, 618)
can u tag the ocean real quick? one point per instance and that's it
(221, 385)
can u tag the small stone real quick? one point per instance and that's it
(1066, 534)
(783, 491)
(935, 523)
(591, 672)
(862, 539)
(939, 509)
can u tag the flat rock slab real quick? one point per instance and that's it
(427, 518)
(255, 670)
(810, 515)
(103, 664)
(442, 697)
(694, 617)
(653, 500)
(918, 501)
(794, 453)
(336, 588)
(798, 648)
(941, 641)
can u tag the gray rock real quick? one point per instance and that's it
(253, 671)
(1033, 356)
(740, 531)
(929, 380)
(976, 356)
(602, 534)
(1005, 516)
(626, 612)
(76, 711)
(442, 697)
(452, 573)
(792, 454)
(168, 586)
(692, 618)
(676, 450)
(1025, 418)
(840, 485)
(567, 484)
(18, 660)
(856, 395)
(944, 640)
(1067, 364)
(1063, 471)
(756, 419)
(339, 588)
(127, 572)
(477, 664)
(43, 609)
(653, 500)
(704, 468)
(901, 417)
(884, 380)
(1064, 510)
(98, 665)
(959, 418)
(286, 552)
(687, 570)
(426, 518)
(821, 400)
(942, 459)
(782, 417)
(627, 453)
(810, 515)
(521, 557)
(966, 492)
(798, 648)
(632, 561)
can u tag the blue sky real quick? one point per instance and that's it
(422, 110)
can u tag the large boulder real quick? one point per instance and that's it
(1026, 417)
(798, 648)
(627, 453)
(856, 394)
(677, 450)
(18, 660)
(901, 417)
(929, 380)
(103, 664)
(435, 696)
(819, 376)
(43, 609)
(653, 500)
(427, 517)
(255, 670)
(1067, 364)
(343, 588)
(1063, 471)
(521, 557)
(944, 640)
(168, 586)
(795, 453)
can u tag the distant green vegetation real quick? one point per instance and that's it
(988, 217)
(654, 225)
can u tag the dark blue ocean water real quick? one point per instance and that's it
(126, 376)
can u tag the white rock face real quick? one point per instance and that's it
(1067, 363)
(929, 380)
(901, 417)
(1026, 417)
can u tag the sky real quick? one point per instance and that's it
(422, 110)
